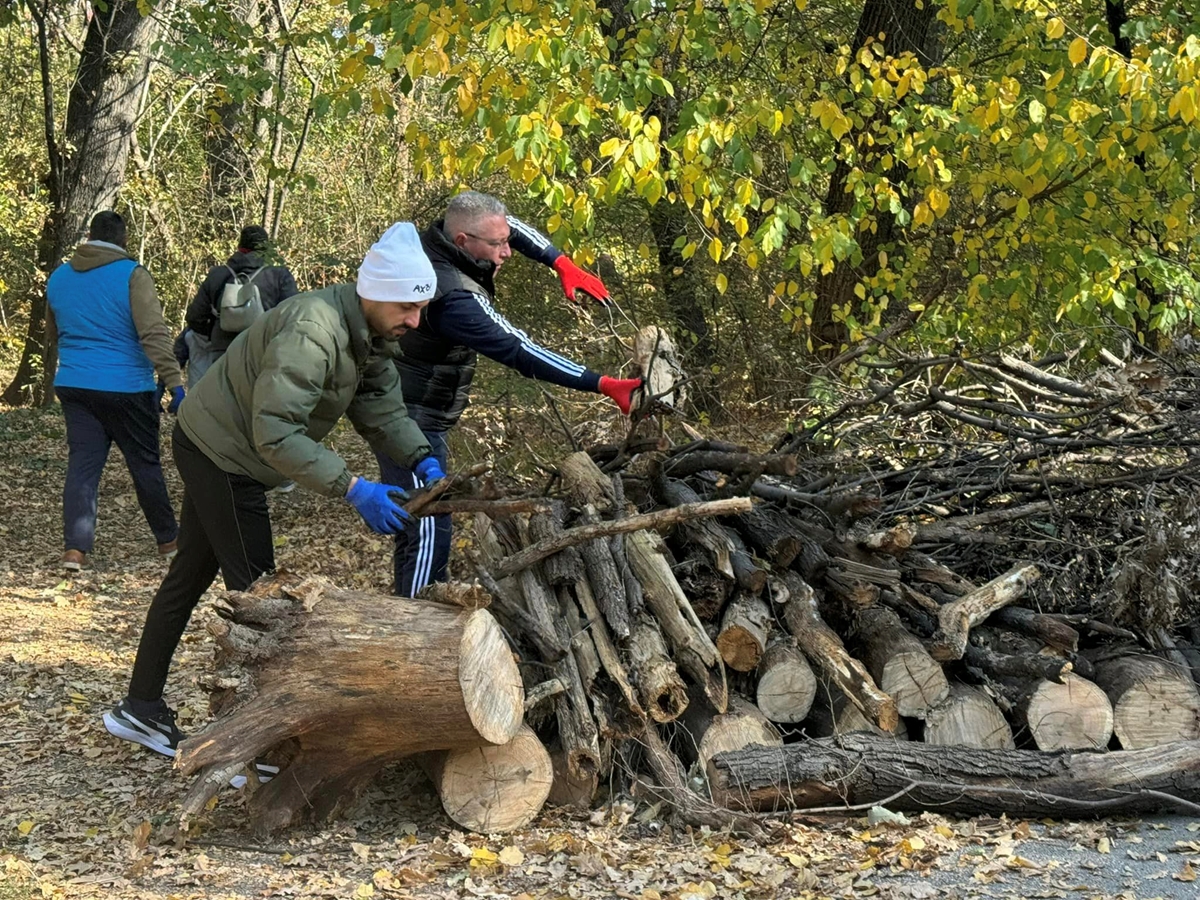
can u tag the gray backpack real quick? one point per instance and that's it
(240, 304)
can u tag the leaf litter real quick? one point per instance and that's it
(83, 814)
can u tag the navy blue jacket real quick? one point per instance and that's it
(439, 356)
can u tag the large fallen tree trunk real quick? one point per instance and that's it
(857, 770)
(333, 685)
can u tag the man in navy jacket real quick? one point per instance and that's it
(467, 249)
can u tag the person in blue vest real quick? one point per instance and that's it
(467, 248)
(112, 340)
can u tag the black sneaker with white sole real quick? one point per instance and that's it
(154, 730)
(264, 770)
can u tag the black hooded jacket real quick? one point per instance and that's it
(275, 284)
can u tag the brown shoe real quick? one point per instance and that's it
(168, 550)
(74, 560)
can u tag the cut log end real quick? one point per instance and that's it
(968, 718)
(490, 681)
(1074, 715)
(492, 790)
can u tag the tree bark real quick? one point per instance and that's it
(87, 166)
(855, 770)
(825, 649)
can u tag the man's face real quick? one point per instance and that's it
(486, 239)
(391, 320)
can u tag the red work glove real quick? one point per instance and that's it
(621, 390)
(575, 279)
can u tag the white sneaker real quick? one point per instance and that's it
(285, 488)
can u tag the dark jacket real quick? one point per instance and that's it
(439, 356)
(264, 406)
(275, 284)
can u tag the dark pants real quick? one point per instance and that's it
(423, 548)
(224, 525)
(95, 419)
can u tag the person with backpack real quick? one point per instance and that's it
(218, 314)
(437, 360)
(112, 340)
(259, 416)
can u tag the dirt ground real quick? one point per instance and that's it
(85, 815)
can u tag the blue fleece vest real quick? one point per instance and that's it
(98, 345)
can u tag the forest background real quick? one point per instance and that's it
(774, 181)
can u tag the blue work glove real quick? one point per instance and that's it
(429, 470)
(376, 503)
(176, 399)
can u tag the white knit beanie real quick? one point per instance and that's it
(396, 269)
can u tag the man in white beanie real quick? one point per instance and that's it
(257, 418)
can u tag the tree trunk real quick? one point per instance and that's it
(859, 769)
(341, 683)
(786, 684)
(1153, 701)
(663, 693)
(968, 718)
(899, 664)
(493, 789)
(87, 166)
(903, 27)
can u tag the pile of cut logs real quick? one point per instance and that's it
(651, 626)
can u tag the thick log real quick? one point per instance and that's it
(701, 532)
(771, 534)
(968, 718)
(731, 463)
(704, 733)
(350, 681)
(610, 659)
(493, 790)
(1073, 715)
(584, 482)
(707, 587)
(825, 650)
(786, 684)
(922, 567)
(663, 693)
(565, 567)
(659, 519)
(586, 659)
(899, 663)
(1026, 666)
(893, 542)
(861, 770)
(833, 714)
(694, 652)
(607, 585)
(744, 630)
(750, 577)
(956, 619)
(655, 356)
(1047, 629)
(576, 793)
(853, 593)
(1153, 701)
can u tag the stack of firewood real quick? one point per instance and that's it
(668, 608)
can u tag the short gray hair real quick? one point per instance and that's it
(466, 209)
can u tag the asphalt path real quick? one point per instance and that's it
(1139, 859)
